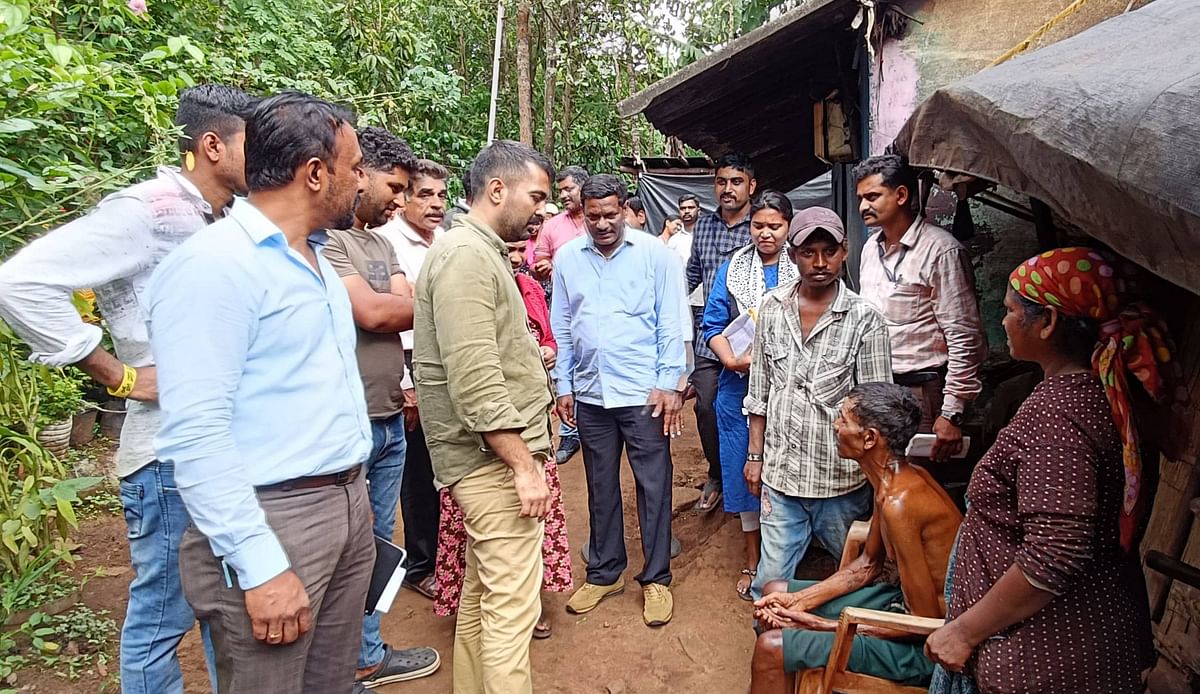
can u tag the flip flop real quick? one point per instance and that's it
(712, 492)
(540, 632)
(746, 594)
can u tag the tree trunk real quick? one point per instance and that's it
(549, 76)
(524, 82)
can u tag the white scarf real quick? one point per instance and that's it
(745, 280)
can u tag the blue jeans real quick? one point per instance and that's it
(385, 471)
(157, 616)
(790, 522)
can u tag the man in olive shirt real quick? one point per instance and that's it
(485, 405)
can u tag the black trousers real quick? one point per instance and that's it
(704, 380)
(604, 433)
(420, 504)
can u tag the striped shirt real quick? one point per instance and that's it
(799, 384)
(930, 307)
(713, 242)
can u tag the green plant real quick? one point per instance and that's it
(59, 397)
(37, 498)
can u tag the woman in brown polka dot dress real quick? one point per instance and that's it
(1048, 594)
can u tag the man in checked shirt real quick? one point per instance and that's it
(814, 341)
(920, 278)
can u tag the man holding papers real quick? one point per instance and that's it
(815, 341)
(740, 285)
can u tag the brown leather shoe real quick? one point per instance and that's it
(426, 586)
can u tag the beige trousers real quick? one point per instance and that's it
(500, 596)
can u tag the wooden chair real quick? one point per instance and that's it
(834, 677)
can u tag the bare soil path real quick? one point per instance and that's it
(706, 648)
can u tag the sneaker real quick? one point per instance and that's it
(589, 595)
(568, 446)
(403, 665)
(658, 606)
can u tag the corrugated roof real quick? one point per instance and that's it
(756, 94)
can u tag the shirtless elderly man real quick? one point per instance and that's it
(913, 527)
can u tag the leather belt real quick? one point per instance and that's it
(916, 378)
(339, 479)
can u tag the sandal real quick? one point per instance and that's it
(542, 629)
(710, 496)
(426, 587)
(744, 592)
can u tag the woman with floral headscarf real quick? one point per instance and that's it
(1047, 593)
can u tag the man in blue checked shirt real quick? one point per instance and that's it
(264, 415)
(618, 316)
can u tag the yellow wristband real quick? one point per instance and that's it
(127, 382)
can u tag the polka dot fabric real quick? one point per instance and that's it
(1087, 283)
(1046, 497)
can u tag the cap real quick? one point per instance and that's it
(809, 220)
(551, 209)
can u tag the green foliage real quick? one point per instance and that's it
(37, 499)
(68, 643)
(60, 396)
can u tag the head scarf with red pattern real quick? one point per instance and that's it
(1088, 283)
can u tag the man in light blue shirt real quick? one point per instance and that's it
(618, 320)
(263, 411)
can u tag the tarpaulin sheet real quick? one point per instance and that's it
(660, 194)
(1104, 127)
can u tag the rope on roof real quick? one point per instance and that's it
(1041, 31)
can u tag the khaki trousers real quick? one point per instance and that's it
(326, 533)
(500, 596)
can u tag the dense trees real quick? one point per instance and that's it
(88, 87)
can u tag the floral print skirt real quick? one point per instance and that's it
(452, 548)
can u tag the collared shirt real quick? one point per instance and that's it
(411, 249)
(366, 253)
(476, 364)
(798, 385)
(557, 232)
(931, 308)
(681, 243)
(713, 242)
(257, 380)
(618, 321)
(112, 249)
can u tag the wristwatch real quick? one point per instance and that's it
(954, 418)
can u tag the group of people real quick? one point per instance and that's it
(307, 344)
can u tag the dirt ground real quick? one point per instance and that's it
(706, 647)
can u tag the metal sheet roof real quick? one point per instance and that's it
(756, 94)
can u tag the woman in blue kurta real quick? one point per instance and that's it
(739, 285)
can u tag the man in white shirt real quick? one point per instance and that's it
(411, 233)
(680, 240)
(114, 249)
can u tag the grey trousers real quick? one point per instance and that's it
(326, 533)
(603, 433)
